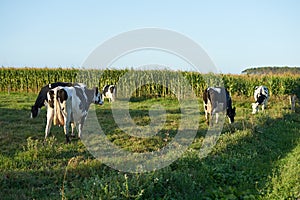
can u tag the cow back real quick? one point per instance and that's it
(261, 94)
(217, 95)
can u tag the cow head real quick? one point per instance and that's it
(34, 111)
(231, 114)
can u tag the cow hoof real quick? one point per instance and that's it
(68, 141)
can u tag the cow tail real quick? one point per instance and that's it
(55, 120)
(58, 116)
(208, 95)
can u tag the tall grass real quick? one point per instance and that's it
(32, 79)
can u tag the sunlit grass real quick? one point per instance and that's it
(257, 157)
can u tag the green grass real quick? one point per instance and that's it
(257, 157)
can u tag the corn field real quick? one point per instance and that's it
(158, 83)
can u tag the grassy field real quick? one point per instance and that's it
(257, 157)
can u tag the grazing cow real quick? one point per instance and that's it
(295, 96)
(293, 101)
(217, 99)
(51, 112)
(109, 91)
(70, 104)
(261, 96)
(42, 97)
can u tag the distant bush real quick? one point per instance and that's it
(272, 70)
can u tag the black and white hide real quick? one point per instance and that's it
(70, 104)
(261, 97)
(216, 100)
(109, 92)
(42, 97)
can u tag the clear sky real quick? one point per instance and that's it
(235, 34)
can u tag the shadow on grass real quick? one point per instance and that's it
(240, 164)
(16, 127)
(243, 161)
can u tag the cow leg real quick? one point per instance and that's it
(293, 99)
(66, 132)
(205, 110)
(217, 118)
(66, 129)
(214, 115)
(264, 106)
(214, 111)
(206, 113)
(67, 139)
(72, 129)
(254, 108)
(50, 115)
(80, 126)
(211, 120)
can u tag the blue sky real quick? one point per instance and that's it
(235, 34)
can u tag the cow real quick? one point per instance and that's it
(110, 92)
(51, 112)
(293, 100)
(215, 100)
(70, 104)
(42, 97)
(295, 96)
(261, 97)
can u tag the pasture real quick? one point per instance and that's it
(257, 157)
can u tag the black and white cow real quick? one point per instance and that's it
(70, 104)
(293, 101)
(217, 99)
(261, 97)
(110, 92)
(42, 97)
(295, 96)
